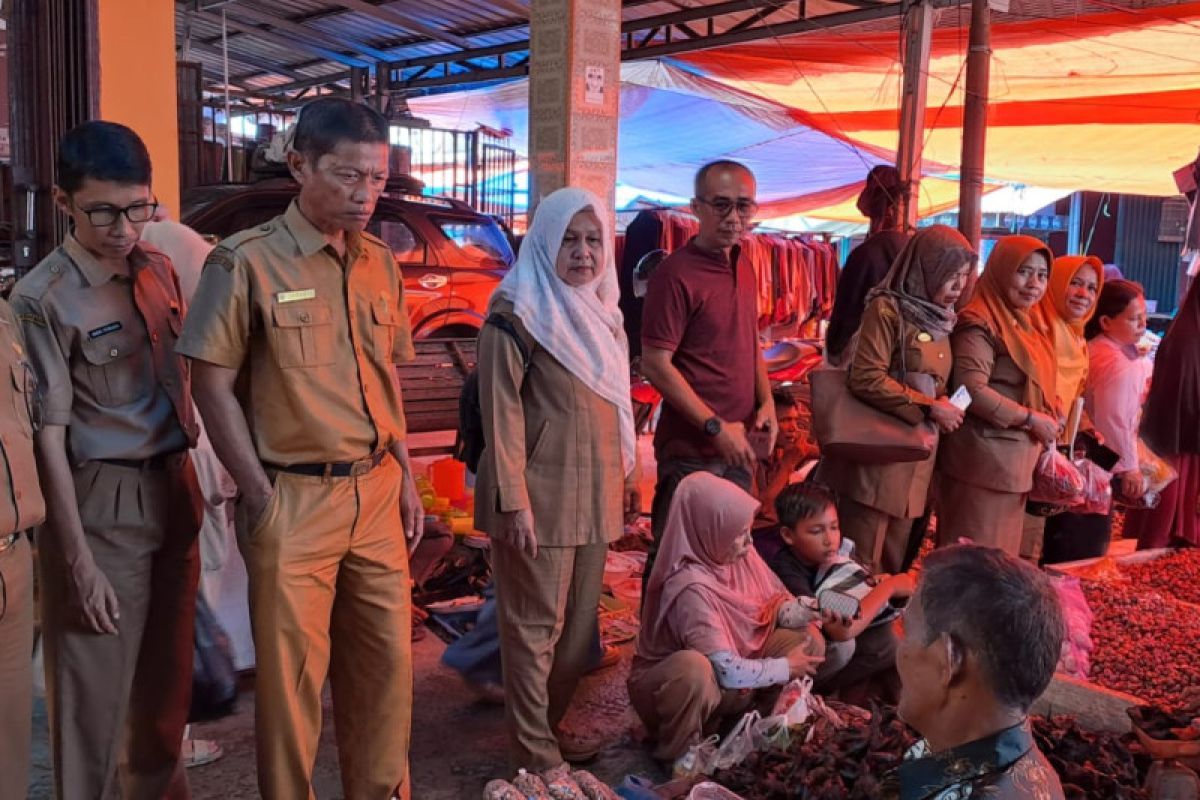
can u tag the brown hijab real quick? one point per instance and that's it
(927, 261)
(1028, 343)
(1171, 420)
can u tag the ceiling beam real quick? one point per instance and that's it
(405, 23)
(313, 35)
(284, 41)
(513, 7)
(252, 61)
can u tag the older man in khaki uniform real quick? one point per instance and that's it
(118, 555)
(295, 332)
(21, 507)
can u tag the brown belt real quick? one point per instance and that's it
(337, 469)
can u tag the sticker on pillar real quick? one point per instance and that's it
(593, 79)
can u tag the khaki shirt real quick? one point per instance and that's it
(103, 348)
(316, 336)
(21, 504)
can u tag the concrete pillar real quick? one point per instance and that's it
(136, 50)
(574, 96)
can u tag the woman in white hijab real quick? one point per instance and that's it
(558, 470)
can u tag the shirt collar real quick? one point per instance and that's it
(312, 241)
(95, 273)
(924, 774)
(715, 257)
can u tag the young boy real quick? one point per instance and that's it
(816, 559)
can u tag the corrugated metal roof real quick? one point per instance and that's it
(263, 55)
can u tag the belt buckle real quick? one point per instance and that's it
(362, 466)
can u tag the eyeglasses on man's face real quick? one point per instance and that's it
(104, 216)
(723, 206)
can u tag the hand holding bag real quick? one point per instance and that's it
(849, 429)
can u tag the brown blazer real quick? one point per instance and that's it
(990, 450)
(898, 490)
(553, 445)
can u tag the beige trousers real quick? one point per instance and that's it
(1033, 535)
(546, 612)
(880, 541)
(986, 517)
(16, 669)
(329, 594)
(680, 701)
(118, 704)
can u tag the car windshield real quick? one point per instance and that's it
(481, 242)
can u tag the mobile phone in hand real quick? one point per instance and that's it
(838, 603)
(961, 398)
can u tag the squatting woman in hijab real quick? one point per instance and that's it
(1005, 359)
(717, 624)
(558, 469)
(905, 333)
(1171, 427)
(1064, 311)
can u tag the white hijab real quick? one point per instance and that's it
(581, 327)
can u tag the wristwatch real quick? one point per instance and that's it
(712, 426)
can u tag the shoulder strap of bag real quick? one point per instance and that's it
(502, 322)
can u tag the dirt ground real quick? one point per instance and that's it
(457, 746)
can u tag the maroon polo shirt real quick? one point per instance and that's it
(703, 308)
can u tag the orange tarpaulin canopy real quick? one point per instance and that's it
(1104, 101)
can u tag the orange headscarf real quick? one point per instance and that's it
(1070, 347)
(1029, 344)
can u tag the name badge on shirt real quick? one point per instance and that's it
(297, 295)
(104, 330)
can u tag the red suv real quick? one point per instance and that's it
(451, 255)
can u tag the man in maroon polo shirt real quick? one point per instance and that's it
(700, 345)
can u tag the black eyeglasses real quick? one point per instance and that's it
(723, 207)
(136, 213)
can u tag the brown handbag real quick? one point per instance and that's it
(849, 429)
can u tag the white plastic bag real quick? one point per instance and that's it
(739, 743)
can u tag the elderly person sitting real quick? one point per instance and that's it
(716, 622)
(982, 637)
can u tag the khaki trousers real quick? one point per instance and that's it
(118, 704)
(16, 668)
(329, 593)
(1033, 534)
(680, 701)
(880, 541)
(986, 517)
(546, 613)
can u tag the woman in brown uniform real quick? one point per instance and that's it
(1006, 361)
(558, 461)
(913, 309)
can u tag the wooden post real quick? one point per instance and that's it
(970, 208)
(919, 27)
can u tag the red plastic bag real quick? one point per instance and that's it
(1097, 489)
(1056, 480)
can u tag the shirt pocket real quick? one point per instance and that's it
(384, 330)
(303, 334)
(115, 367)
(24, 396)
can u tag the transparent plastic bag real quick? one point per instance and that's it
(1056, 480)
(739, 743)
(1097, 489)
(698, 760)
(1158, 473)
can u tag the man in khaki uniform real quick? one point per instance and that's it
(295, 332)
(118, 554)
(21, 507)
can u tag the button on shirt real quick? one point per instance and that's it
(21, 504)
(704, 307)
(102, 344)
(316, 335)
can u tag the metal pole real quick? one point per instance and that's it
(918, 33)
(228, 119)
(970, 208)
(1075, 223)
